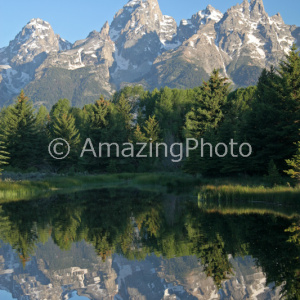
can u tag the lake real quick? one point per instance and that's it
(129, 243)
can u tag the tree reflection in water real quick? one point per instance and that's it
(135, 224)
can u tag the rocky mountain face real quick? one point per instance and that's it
(143, 46)
(29, 49)
(141, 33)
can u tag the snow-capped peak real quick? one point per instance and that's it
(33, 29)
(210, 13)
(39, 24)
(132, 3)
(36, 38)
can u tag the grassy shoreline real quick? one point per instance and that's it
(24, 189)
(231, 189)
(231, 192)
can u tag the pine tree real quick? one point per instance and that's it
(99, 120)
(98, 130)
(4, 156)
(289, 70)
(152, 129)
(99, 114)
(64, 128)
(43, 136)
(60, 108)
(206, 162)
(203, 120)
(164, 111)
(294, 165)
(272, 125)
(20, 134)
(273, 177)
(140, 164)
(138, 135)
(207, 112)
(125, 116)
(290, 74)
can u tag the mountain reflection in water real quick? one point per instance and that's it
(131, 244)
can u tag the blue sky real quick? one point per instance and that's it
(73, 20)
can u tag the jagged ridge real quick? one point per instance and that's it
(143, 46)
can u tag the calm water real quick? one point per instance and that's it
(131, 244)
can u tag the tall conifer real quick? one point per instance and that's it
(4, 156)
(20, 134)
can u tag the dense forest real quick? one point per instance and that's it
(266, 116)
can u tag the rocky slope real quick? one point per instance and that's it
(143, 46)
(29, 49)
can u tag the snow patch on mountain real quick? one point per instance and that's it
(210, 13)
(122, 63)
(167, 29)
(77, 62)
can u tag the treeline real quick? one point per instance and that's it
(266, 116)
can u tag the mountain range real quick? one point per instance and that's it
(143, 46)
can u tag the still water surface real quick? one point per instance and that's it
(132, 244)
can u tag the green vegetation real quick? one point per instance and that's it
(3, 155)
(246, 75)
(27, 189)
(265, 116)
(294, 165)
(165, 225)
(234, 205)
(207, 113)
(19, 133)
(80, 86)
(230, 192)
(227, 189)
(178, 73)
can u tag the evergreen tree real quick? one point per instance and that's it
(273, 177)
(238, 105)
(205, 162)
(207, 111)
(148, 102)
(20, 134)
(99, 114)
(164, 111)
(138, 135)
(42, 118)
(125, 116)
(120, 132)
(43, 136)
(294, 165)
(60, 108)
(141, 164)
(4, 156)
(272, 125)
(203, 120)
(98, 130)
(64, 128)
(289, 69)
(152, 129)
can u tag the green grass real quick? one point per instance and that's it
(25, 189)
(226, 189)
(250, 211)
(237, 192)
